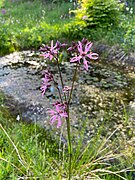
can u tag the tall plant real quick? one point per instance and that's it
(80, 54)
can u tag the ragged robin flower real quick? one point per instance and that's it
(51, 51)
(58, 113)
(48, 77)
(84, 53)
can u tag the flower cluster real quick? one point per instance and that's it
(51, 51)
(80, 53)
(58, 113)
(48, 77)
(83, 52)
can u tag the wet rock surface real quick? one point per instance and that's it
(100, 93)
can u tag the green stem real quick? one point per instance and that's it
(74, 78)
(59, 71)
(68, 119)
(61, 79)
(69, 145)
(68, 126)
(60, 95)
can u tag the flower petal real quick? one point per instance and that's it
(52, 45)
(85, 62)
(88, 46)
(45, 55)
(92, 56)
(63, 114)
(74, 59)
(59, 122)
(53, 119)
(79, 47)
(51, 112)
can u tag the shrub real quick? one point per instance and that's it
(8, 42)
(129, 38)
(99, 13)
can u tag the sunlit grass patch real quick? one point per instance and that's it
(29, 24)
(27, 151)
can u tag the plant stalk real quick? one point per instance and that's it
(59, 71)
(68, 118)
(74, 78)
(61, 79)
(69, 145)
(68, 127)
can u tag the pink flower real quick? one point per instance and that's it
(73, 47)
(84, 53)
(58, 113)
(48, 77)
(49, 52)
(59, 45)
(44, 87)
(60, 106)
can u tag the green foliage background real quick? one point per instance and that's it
(28, 24)
(99, 13)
